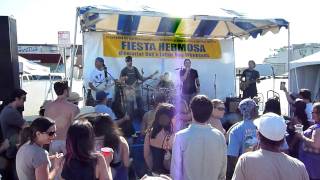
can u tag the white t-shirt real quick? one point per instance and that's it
(97, 77)
(308, 110)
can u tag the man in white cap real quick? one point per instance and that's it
(269, 162)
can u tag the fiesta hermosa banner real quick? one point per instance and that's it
(160, 47)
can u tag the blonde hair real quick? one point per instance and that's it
(216, 102)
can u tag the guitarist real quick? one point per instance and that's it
(250, 77)
(99, 79)
(130, 74)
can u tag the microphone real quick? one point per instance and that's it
(142, 71)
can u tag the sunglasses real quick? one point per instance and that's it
(221, 108)
(51, 133)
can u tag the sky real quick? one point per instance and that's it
(38, 21)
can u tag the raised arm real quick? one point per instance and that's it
(289, 99)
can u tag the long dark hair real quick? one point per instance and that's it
(41, 124)
(80, 142)
(301, 114)
(104, 126)
(272, 105)
(166, 109)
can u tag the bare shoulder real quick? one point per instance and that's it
(123, 140)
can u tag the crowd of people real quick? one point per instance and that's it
(182, 140)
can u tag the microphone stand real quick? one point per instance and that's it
(142, 73)
(274, 81)
(122, 98)
(215, 86)
(148, 100)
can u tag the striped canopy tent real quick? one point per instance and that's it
(224, 24)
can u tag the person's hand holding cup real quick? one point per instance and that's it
(298, 128)
(107, 154)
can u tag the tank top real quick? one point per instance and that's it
(76, 169)
(158, 155)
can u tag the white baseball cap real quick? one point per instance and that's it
(271, 126)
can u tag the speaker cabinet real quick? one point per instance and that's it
(9, 66)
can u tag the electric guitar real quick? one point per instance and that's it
(245, 84)
(130, 90)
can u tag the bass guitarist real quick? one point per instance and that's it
(249, 79)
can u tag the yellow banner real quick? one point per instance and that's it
(160, 47)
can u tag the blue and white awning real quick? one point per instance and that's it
(227, 25)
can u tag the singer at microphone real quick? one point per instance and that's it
(98, 80)
(190, 81)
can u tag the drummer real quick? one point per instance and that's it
(165, 82)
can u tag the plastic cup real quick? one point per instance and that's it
(106, 152)
(298, 128)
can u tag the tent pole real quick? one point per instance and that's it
(73, 48)
(234, 93)
(289, 58)
(296, 76)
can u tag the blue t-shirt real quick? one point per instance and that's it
(242, 138)
(101, 108)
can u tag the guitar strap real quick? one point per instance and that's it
(136, 72)
(105, 74)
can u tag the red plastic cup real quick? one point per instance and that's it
(106, 151)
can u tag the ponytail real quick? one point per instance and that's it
(25, 136)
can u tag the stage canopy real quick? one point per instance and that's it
(222, 24)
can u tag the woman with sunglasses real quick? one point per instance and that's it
(32, 161)
(217, 114)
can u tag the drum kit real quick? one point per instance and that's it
(151, 92)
